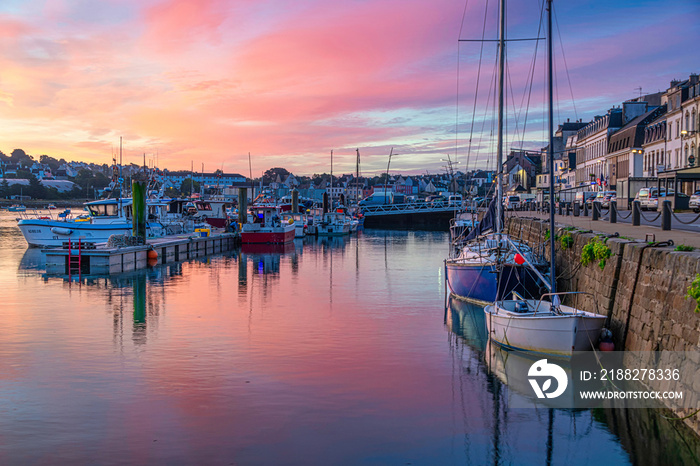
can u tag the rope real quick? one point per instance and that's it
(685, 223)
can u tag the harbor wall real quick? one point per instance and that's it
(641, 289)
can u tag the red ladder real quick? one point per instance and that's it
(75, 261)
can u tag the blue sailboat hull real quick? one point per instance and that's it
(480, 282)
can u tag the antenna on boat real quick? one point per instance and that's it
(550, 150)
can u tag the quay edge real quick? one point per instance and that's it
(641, 289)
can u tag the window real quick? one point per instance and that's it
(687, 120)
(670, 129)
(678, 128)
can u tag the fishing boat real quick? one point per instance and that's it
(542, 326)
(51, 207)
(105, 218)
(333, 224)
(267, 226)
(102, 219)
(17, 208)
(299, 221)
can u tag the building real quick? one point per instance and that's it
(626, 155)
(207, 179)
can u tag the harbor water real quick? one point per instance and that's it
(330, 351)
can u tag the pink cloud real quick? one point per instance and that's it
(171, 25)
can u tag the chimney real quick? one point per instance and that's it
(693, 79)
(674, 83)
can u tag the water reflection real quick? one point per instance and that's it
(331, 353)
(559, 431)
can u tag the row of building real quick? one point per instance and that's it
(644, 141)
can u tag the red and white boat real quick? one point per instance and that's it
(267, 226)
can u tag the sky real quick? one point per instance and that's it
(209, 81)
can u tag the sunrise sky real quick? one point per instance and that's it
(211, 80)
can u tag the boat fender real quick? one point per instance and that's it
(61, 231)
(152, 254)
(606, 342)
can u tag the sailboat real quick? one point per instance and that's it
(485, 267)
(542, 326)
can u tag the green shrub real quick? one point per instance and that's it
(684, 247)
(566, 241)
(595, 250)
(694, 292)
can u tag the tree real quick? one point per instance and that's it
(84, 178)
(4, 188)
(50, 161)
(36, 189)
(189, 186)
(100, 180)
(21, 157)
(271, 174)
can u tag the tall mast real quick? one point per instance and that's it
(357, 177)
(550, 151)
(501, 88)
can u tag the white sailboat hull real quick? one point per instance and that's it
(543, 331)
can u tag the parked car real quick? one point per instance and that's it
(455, 200)
(601, 195)
(582, 197)
(694, 202)
(436, 201)
(609, 197)
(641, 196)
(511, 202)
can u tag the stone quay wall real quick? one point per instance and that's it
(641, 289)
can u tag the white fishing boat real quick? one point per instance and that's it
(333, 224)
(17, 208)
(105, 218)
(542, 326)
(299, 221)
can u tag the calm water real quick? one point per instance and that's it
(333, 352)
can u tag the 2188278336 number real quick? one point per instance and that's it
(639, 374)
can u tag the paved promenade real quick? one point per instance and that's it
(642, 232)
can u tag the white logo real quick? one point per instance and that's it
(541, 369)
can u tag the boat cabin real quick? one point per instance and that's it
(266, 216)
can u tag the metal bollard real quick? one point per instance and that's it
(585, 209)
(596, 210)
(560, 207)
(568, 209)
(636, 214)
(666, 212)
(577, 209)
(613, 211)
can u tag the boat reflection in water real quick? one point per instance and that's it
(467, 320)
(33, 260)
(489, 392)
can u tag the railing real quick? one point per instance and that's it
(385, 209)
